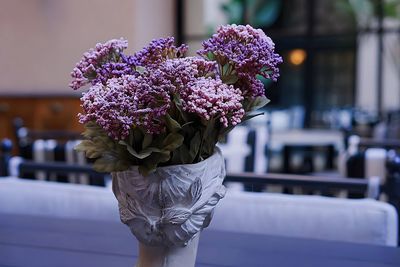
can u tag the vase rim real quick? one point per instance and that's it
(217, 153)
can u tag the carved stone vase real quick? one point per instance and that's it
(167, 209)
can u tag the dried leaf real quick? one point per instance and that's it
(258, 103)
(172, 141)
(148, 138)
(172, 125)
(184, 154)
(92, 130)
(144, 153)
(89, 148)
(229, 79)
(194, 146)
(150, 163)
(110, 162)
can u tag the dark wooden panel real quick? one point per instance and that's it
(39, 113)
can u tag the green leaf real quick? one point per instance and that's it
(209, 128)
(110, 162)
(172, 141)
(230, 79)
(258, 103)
(84, 145)
(210, 56)
(150, 164)
(131, 138)
(108, 154)
(194, 146)
(92, 130)
(104, 165)
(187, 124)
(144, 153)
(178, 104)
(172, 125)
(148, 138)
(209, 139)
(103, 142)
(225, 69)
(89, 148)
(184, 154)
(140, 69)
(137, 136)
(250, 116)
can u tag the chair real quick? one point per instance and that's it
(5, 155)
(245, 150)
(19, 167)
(238, 149)
(50, 146)
(366, 157)
(42, 198)
(361, 221)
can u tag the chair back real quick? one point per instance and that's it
(43, 198)
(360, 221)
(50, 146)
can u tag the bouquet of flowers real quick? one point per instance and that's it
(159, 108)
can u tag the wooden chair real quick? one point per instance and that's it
(25, 168)
(5, 155)
(50, 146)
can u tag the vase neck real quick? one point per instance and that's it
(150, 256)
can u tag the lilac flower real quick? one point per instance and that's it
(112, 70)
(127, 102)
(250, 86)
(153, 94)
(158, 51)
(90, 68)
(211, 98)
(249, 50)
(181, 71)
(109, 105)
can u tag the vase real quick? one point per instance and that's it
(167, 209)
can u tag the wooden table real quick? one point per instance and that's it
(33, 241)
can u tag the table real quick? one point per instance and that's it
(311, 137)
(307, 140)
(33, 241)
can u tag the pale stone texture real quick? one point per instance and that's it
(167, 209)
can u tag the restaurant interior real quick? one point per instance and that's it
(321, 164)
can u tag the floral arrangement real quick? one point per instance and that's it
(157, 107)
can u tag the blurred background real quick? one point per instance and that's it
(341, 69)
(334, 113)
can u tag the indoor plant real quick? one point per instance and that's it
(153, 119)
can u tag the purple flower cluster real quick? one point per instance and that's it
(112, 70)
(137, 90)
(250, 86)
(211, 98)
(126, 102)
(158, 51)
(110, 106)
(181, 71)
(249, 50)
(93, 65)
